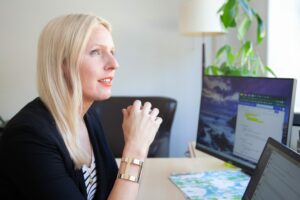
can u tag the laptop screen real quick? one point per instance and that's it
(277, 175)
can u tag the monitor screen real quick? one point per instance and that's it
(238, 114)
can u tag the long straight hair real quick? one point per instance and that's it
(60, 50)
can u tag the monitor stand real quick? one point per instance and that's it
(245, 171)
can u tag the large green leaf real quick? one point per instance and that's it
(244, 27)
(247, 9)
(230, 58)
(212, 70)
(226, 48)
(268, 69)
(260, 29)
(220, 11)
(234, 72)
(230, 12)
(224, 68)
(245, 72)
(245, 52)
(220, 52)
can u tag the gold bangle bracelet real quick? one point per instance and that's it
(128, 177)
(125, 175)
(133, 161)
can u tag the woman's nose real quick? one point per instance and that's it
(112, 63)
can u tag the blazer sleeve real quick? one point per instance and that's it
(34, 163)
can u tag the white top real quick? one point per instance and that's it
(90, 178)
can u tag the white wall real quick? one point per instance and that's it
(284, 40)
(154, 59)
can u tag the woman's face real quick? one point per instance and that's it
(98, 66)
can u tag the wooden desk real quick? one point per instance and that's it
(155, 183)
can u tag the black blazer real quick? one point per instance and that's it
(35, 163)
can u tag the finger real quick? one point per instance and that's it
(147, 107)
(154, 113)
(158, 120)
(129, 108)
(125, 112)
(137, 105)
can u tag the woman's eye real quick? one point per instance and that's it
(95, 52)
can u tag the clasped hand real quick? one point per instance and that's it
(140, 125)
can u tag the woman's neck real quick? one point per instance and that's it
(85, 107)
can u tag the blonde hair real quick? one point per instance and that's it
(60, 49)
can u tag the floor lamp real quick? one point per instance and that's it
(200, 18)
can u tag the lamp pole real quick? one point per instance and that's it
(203, 60)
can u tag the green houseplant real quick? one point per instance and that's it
(239, 15)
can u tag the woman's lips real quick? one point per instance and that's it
(107, 82)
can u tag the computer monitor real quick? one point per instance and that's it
(238, 114)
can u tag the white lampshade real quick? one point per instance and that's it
(200, 17)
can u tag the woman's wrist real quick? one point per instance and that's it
(132, 163)
(133, 151)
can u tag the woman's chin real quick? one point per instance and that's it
(104, 96)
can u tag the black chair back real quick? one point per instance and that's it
(110, 113)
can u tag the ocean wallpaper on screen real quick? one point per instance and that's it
(219, 102)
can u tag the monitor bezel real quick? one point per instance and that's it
(247, 168)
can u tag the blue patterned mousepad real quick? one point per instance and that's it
(208, 185)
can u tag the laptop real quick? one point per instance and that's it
(277, 175)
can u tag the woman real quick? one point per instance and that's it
(54, 148)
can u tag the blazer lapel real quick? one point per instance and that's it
(98, 160)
